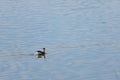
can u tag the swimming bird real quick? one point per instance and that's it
(40, 52)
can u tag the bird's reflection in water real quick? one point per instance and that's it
(40, 56)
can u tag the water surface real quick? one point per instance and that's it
(81, 38)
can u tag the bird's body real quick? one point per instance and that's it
(40, 52)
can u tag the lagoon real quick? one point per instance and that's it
(81, 38)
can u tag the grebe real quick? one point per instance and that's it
(40, 52)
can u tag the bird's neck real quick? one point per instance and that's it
(44, 50)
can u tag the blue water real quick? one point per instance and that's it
(81, 38)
